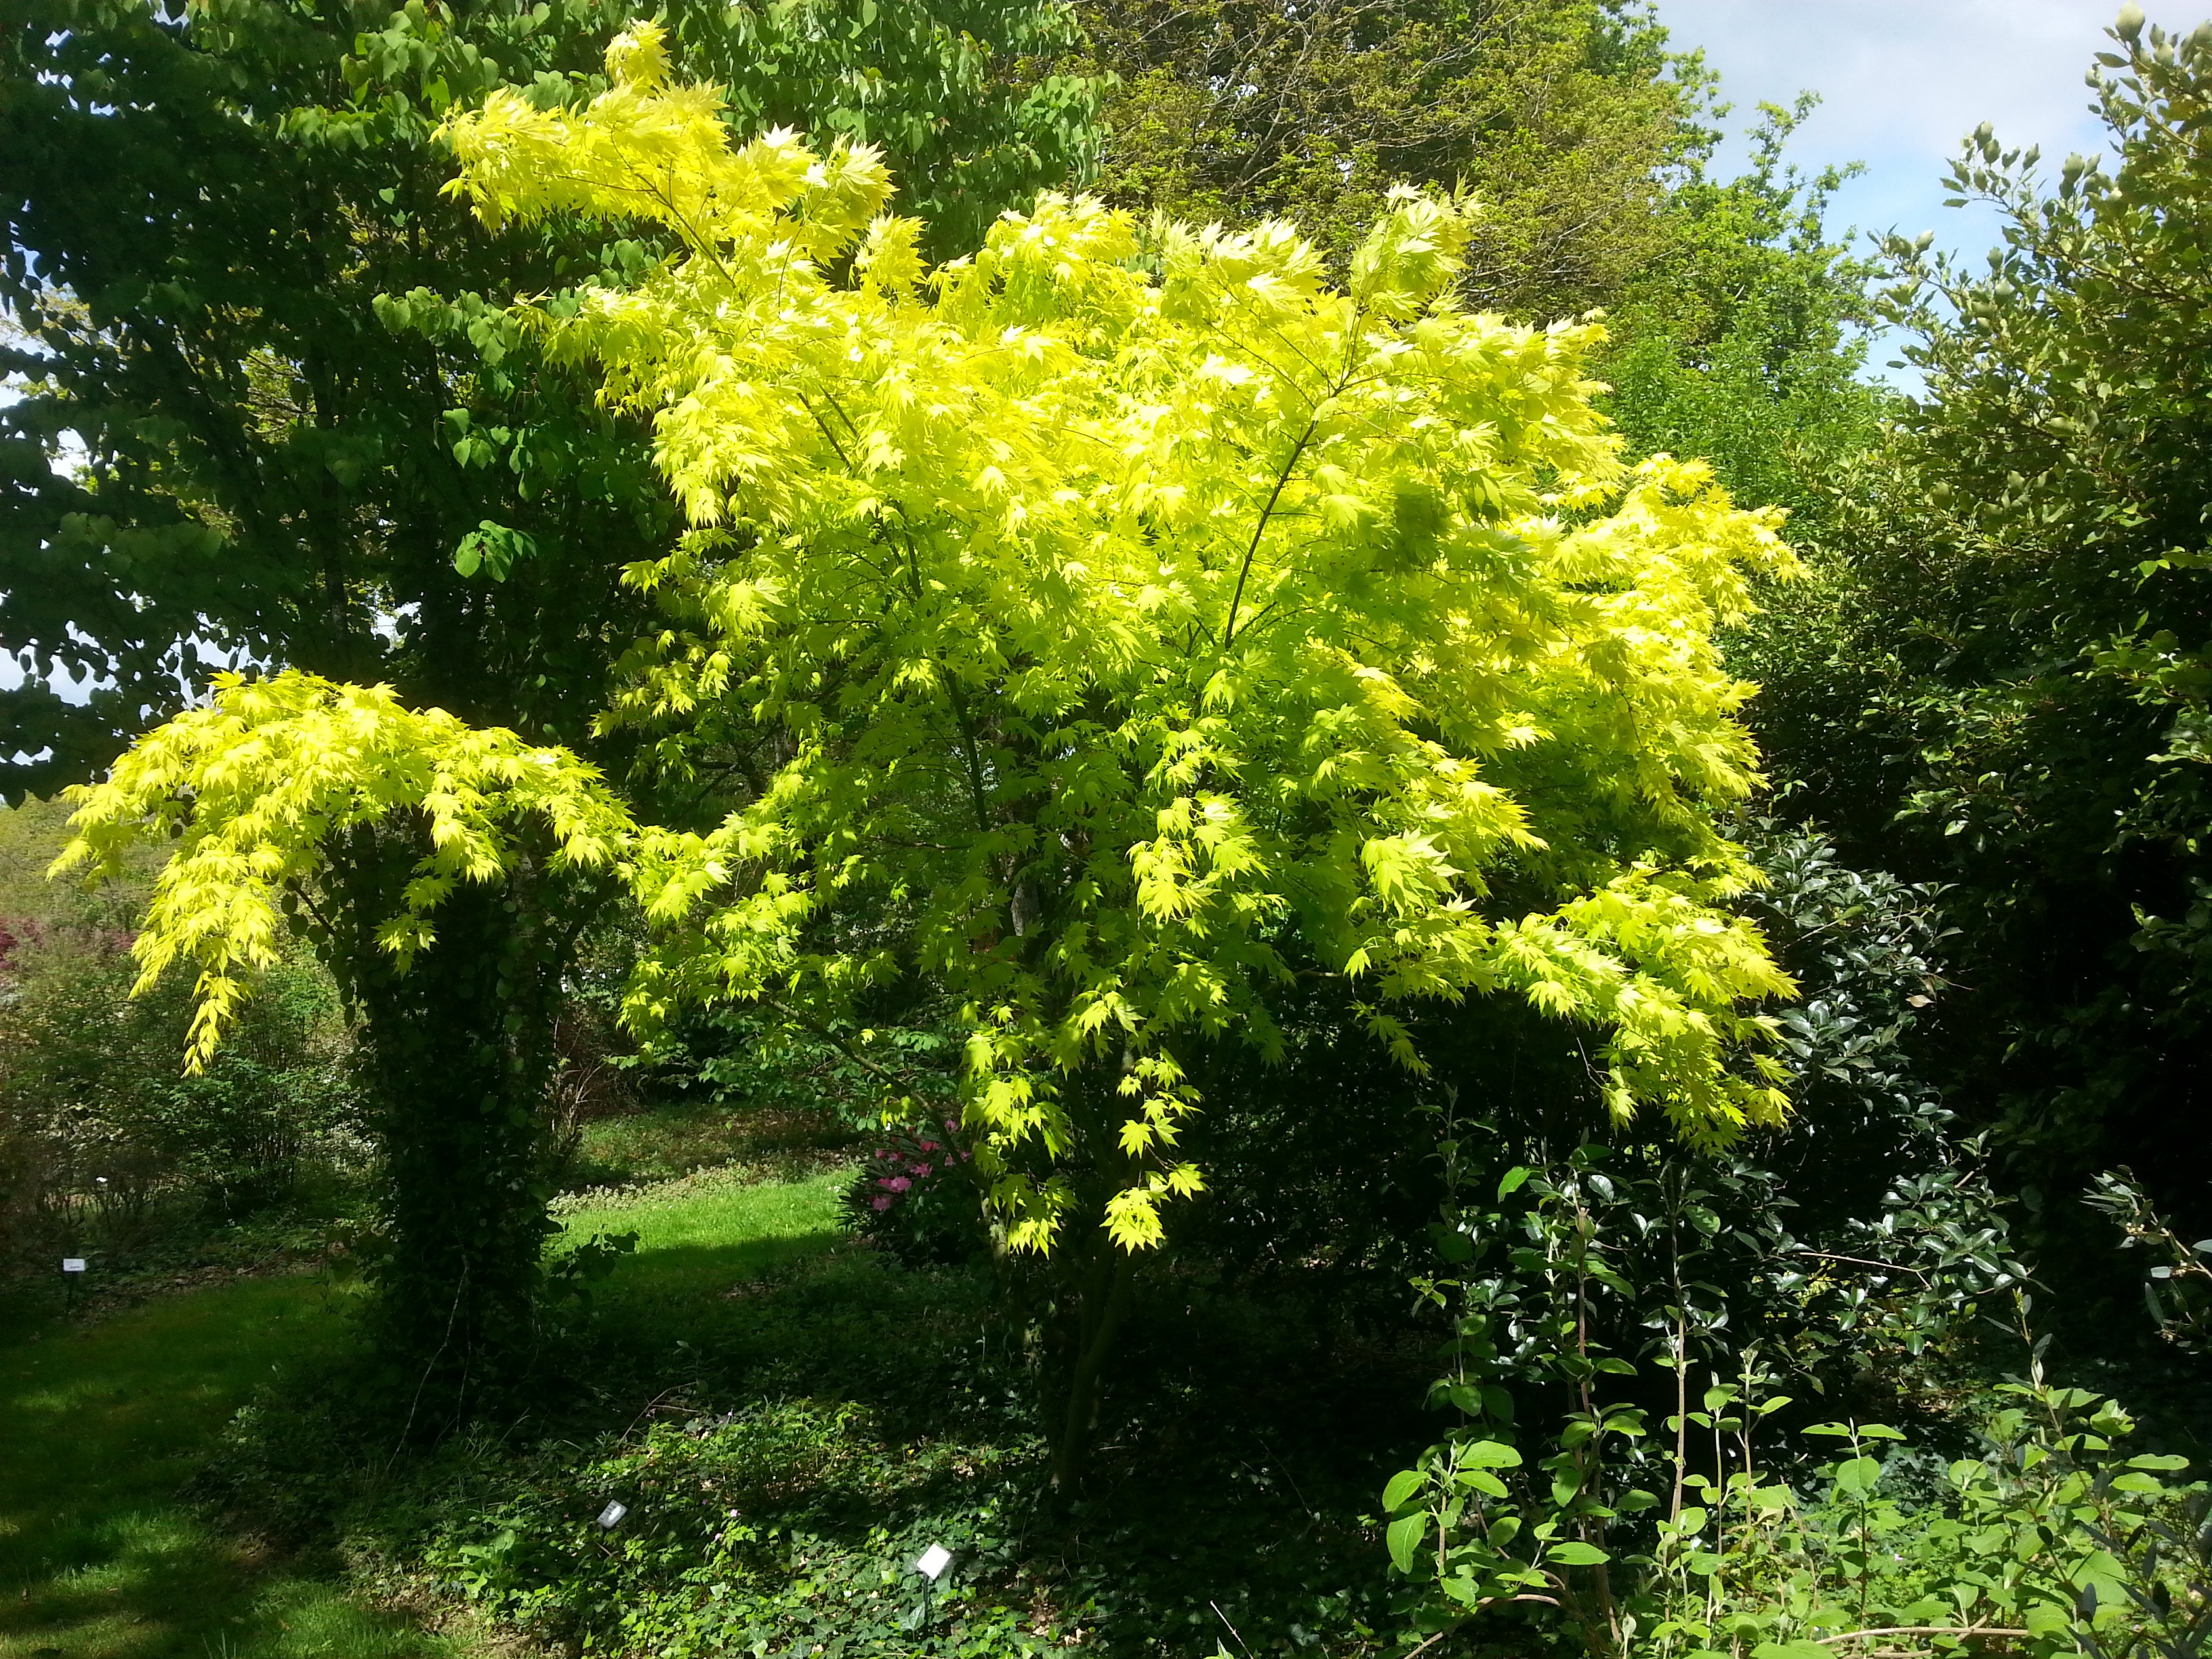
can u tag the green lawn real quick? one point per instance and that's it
(695, 1237)
(100, 1427)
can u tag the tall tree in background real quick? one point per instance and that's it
(1561, 120)
(1742, 339)
(2009, 692)
(309, 437)
(203, 208)
(1736, 320)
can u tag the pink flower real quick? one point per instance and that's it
(896, 1183)
(880, 1202)
(925, 1146)
(921, 1169)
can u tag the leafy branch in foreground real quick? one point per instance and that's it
(264, 782)
(2182, 1271)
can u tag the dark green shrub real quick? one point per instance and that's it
(104, 1140)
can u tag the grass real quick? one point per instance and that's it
(714, 1210)
(100, 1556)
(103, 1425)
(674, 1139)
(697, 1236)
(858, 1408)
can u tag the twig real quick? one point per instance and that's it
(1863, 1261)
(904, 1085)
(1233, 1631)
(1921, 1630)
(453, 1314)
(1486, 1602)
(1282, 478)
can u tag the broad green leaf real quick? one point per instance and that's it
(1573, 1552)
(1404, 1537)
(1402, 1487)
(1857, 1475)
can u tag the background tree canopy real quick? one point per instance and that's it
(1562, 122)
(1998, 682)
(203, 207)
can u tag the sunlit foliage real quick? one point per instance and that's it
(1127, 620)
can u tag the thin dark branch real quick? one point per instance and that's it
(905, 1086)
(1266, 512)
(1863, 1261)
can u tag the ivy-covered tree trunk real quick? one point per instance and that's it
(457, 1059)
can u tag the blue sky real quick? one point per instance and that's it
(1903, 81)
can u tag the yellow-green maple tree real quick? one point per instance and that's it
(1129, 619)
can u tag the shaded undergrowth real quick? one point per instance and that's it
(790, 1417)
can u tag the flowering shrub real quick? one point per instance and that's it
(916, 1195)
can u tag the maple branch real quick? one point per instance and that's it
(1282, 478)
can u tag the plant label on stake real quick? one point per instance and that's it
(931, 1567)
(610, 1517)
(72, 1264)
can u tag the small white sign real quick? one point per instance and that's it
(934, 1560)
(611, 1517)
(72, 1264)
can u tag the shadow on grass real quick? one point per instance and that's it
(100, 1428)
(705, 1251)
(669, 1139)
(665, 1311)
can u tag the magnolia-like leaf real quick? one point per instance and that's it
(1575, 1553)
(1402, 1487)
(1404, 1537)
(1857, 1475)
(1489, 1454)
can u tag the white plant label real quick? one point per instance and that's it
(611, 1517)
(934, 1560)
(72, 1264)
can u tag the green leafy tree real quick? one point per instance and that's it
(1123, 646)
(2017, 655)
(204, 207)
(1742, 340)
(207, 210)
(1562, 121)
